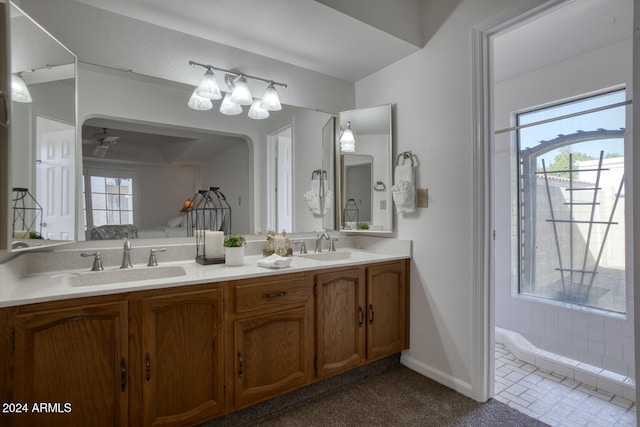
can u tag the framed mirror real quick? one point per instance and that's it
(364, 200)
(42, 148)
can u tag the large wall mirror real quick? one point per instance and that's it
(141, 160)
(42, 137)
(365, 203)
(142, 172)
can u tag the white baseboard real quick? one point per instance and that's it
(438, 376)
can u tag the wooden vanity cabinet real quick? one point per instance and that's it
(185, 355)
(269, 352)
(71, 364)
(340, 321)
(387, 309)
(180, 350)
(361, 315)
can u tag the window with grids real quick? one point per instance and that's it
(571, 222)
(109, 201)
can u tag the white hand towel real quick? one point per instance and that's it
(275, 261)
(404, 173)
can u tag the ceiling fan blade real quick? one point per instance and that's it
(101, 150)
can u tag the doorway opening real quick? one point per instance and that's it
(558, 312)
(281, 180)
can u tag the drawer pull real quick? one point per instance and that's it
(148, 366)
(240, 365)
(275, 294)
(361, 315)
(370, 313)
(123, 375)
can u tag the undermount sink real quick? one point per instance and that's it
(329, 256)
(109, 277)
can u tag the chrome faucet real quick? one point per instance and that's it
(153, 261)
(97, 261)
(319, 238)
(126, 254)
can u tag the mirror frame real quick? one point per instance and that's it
(339, 197)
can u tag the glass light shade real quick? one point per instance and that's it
(229, 108)
(270, 100)
(199, 103)
(208, 87)
(347, 141)
(19, 90)
(257, 112)
(241, 94)
(348, 146)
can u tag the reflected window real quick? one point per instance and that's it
(108, 200)
(572, 204)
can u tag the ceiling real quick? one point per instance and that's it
(308, 34)
(305, 33)
(154, 144)
(573, 29)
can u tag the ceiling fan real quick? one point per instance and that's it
(104, 139)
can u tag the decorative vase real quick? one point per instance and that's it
(234, 255)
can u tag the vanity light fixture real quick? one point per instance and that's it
(238, 94)
(19, 90)
(270, 100)
(229, 108)
(241, 94)
(200, 103)
(257, 112)
(208, 87)
(347, 141)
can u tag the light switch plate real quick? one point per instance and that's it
(422, 197)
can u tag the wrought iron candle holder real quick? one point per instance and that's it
(209, 219)
(27, 215)
(350, 214)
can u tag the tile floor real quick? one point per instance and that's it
(556, 400)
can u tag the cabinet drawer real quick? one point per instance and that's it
(270, 293)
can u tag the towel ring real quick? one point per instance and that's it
(405, 155)
(379, 186)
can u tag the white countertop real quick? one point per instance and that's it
(60, 285)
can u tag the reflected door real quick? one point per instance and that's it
(55, 184)
(284, 180)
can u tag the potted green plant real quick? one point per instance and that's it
(234, 249)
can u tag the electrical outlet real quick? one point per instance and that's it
(422, 197)
(383, 204)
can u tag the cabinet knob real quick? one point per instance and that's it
(240, 365)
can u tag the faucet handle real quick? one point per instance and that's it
(152, 256)
(332, 246)
(303, 246)
(97, 261)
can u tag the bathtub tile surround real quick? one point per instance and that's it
(593, 376)
(555, 399)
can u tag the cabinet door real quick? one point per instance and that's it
(270, 355)
(182, 357)
(340, 334)
(387, 309)
(71, 365)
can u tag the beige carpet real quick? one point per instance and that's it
(385, 394)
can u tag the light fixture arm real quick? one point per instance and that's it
(235, 73)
